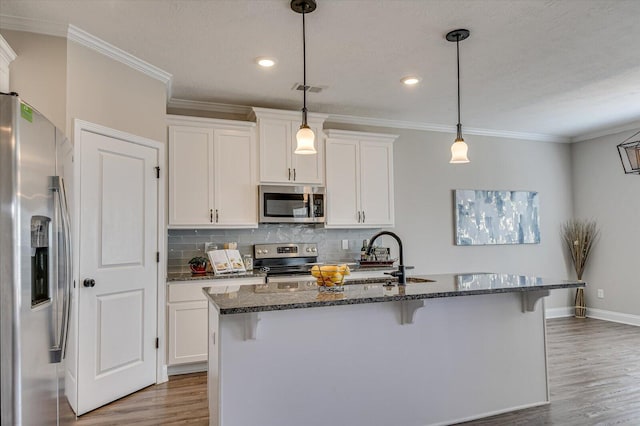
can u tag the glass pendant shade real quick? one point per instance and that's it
(304, 139)
(459, 152)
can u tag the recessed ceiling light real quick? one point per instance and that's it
(410, 80)
(265, 62)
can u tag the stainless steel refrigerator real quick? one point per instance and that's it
(35, 267)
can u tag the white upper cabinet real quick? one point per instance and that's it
(277, 140)
(359, 173)
(212, 173)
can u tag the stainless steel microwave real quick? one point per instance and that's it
(291, 204)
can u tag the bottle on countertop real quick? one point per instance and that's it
(248, 262)
(363, 250)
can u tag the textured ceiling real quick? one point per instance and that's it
(556, 67)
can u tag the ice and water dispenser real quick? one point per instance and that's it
(40, 292)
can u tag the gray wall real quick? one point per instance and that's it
(39, 73)
(109, 93)
(604, 193)
(65, 80)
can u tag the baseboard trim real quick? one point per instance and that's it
(494, 413)
(619, 317)
(196, 367)
(566, 311)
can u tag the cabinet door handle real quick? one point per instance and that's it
(211, 215)
(362, 216)
(294, 174)
(358, 216)
(216, 215)
(289, 173)
(89, 282)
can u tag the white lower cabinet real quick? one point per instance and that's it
(187, 332)
(187, 319)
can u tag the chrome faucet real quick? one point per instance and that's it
(400, 273)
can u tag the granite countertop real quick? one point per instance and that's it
(260, 298)
(188, 276)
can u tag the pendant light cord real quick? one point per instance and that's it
(304, 71)
(459, 126)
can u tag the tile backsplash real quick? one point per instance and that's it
(187, 243)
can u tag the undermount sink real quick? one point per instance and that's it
(419, 280)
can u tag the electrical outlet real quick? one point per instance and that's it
(600, 293)
(345, 244)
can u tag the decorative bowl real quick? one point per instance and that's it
(330, 278)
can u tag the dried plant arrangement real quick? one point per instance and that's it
(579, 236)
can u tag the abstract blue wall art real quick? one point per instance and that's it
(496, 217)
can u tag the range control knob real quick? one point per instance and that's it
(265, 251)
(308, 250)
(314, 249)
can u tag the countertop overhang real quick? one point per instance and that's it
(237, 299)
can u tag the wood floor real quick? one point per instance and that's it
(180, 401)
(594, 374)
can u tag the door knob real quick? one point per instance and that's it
(89, 282)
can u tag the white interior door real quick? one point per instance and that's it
(118, 245)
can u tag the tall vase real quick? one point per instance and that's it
(580, 307)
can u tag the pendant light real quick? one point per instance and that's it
(305, 136)
(459, 148)
(630, 155)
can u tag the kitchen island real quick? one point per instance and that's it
(379, 354)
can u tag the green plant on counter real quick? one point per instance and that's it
(198, 261)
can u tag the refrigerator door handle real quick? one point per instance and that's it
(58, 351)
(68, 266)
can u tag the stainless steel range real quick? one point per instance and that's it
(287, 265)
(285, 258)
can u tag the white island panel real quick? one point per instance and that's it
(462, 358)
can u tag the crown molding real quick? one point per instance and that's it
(17, 23)
(208, 106)
(431, 127)
(94, 43)
(252, 112)
(7, 54)
(335, 133)
(183, 120)
(634, 125)
(257, 113)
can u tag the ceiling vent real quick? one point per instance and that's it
(310, 89)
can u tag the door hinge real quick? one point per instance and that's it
(157, 172)
(157, 342)
(157, 257)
